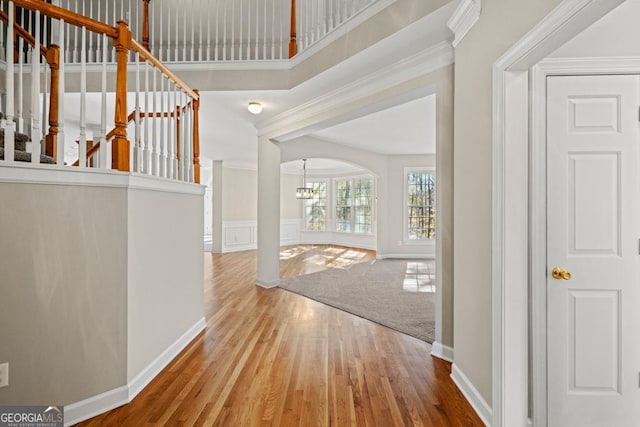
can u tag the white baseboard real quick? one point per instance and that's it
(405, 256)
(141, 380)
(472, 395)
(442, 351)
(267, 285)
(96, 405)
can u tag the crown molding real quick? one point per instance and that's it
(419, 64)
(464, 17)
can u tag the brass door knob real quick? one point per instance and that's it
(560, 274)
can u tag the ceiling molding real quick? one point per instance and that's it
(419, 64)
(464, 17)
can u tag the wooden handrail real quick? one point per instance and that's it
(93, 150)
(152, 59)
(68, 16)
(26, 36)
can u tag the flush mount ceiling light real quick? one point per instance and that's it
(304, 192)
(254, 107)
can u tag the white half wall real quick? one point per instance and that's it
(102, 283)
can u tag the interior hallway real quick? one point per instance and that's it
(271, 357)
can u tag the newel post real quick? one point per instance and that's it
(196, 138)
(145, 24)
(51, 140)
(293, 46)
(120, 148)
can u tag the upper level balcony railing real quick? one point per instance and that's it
(209, 30)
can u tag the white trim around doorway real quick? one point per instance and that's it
(516, 258)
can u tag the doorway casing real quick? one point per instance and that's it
(519, 191)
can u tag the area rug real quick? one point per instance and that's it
(398, 294)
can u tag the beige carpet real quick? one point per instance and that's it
(398, 294)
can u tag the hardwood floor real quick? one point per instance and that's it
(273, 358)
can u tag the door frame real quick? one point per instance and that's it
(519, 247)
(538, 197)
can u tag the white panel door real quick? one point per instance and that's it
(593, 189)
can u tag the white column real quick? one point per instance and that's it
(216, 211)
(268, 213)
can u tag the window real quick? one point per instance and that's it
(362, 205)
(343, 205)
(421, 200)
(315, 209)
(353, 205)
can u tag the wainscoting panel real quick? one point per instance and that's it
(239, 235)
(243, 235)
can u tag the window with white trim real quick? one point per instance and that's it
(315, 209)
(421, 204)
(353, 205)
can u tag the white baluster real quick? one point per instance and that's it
(154, 138)
(8, 124)
(188, 144)
(175, 19)
(184, 31)
(136, 145)
(163, 153)
(273, 29)
(241, 32)
(264, 32)
(172, 132)
(19, 116)
(280, 29)
(185, 136)
(36, 124)
(193, 29)
(170, 142)
(233, 29)
(146, 154)
(75, 36)
(217, 29)
(168, 55)
(201, 11)
(61, 90)
(257, 30)
(105, 144)
(82, 145)
(224, 31)
(153, 24)
(249, 9)
(209, 31)
(176, 163)
(91, 57)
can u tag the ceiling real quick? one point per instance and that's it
(408, 128)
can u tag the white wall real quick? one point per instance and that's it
(239, 195)
(290, 207)
(501, 24)
(63, 315)
(100, 283)
(165, 274)
(615, 34)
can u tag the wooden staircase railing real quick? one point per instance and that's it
(154, 152)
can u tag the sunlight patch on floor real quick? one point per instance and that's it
(419, 277)
(291, 252)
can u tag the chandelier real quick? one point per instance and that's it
(304, 192)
